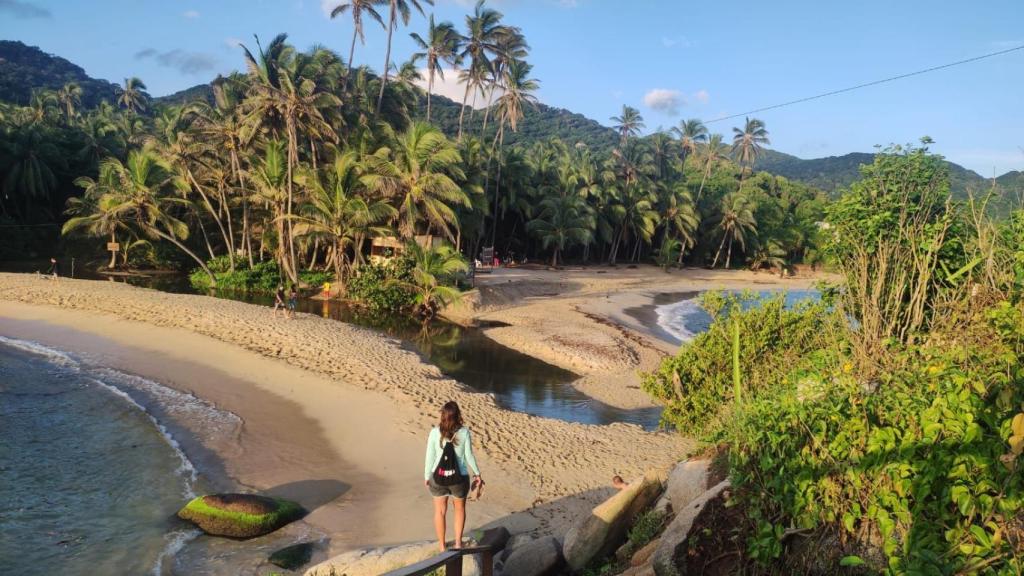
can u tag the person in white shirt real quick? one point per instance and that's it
(446, 467)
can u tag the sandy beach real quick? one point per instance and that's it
(335, 415)
(599, 322)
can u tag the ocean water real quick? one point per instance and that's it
(90, 478)
(685, 319)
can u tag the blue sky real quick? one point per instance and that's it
(670, 59)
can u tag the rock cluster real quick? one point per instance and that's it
(240, 515)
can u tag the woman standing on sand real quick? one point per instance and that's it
(446, 470)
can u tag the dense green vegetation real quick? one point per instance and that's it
(301, 161)
(888, 421)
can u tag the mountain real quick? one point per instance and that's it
(199, 92)
(26, 68)
(538, 123)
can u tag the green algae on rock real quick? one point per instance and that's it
(240, 515)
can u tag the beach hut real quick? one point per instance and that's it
(385, 248)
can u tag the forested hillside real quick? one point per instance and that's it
(25, 69)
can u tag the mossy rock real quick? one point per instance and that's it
(240, 515)
(292, 557)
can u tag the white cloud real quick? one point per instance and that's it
(193, 63)
(191, 14)
(664, 100)
(568, 3)
(673, 41)
(328, 5)
(450, 87)
(232, 42)
(1006, 44)
(702, 96)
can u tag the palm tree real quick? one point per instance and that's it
(629, 123)
(357, 8)
(396, 8)
(691, 134)
(432, 270)
(132, 95)
(92, 211)
(70, 95)
(679, 215)
(338, 213)
(441, 46)
(770, 255)
(482, 30)
(560, 223)
(285, 96)
(747, 143)
(715, 151)
(519, 89)
(144, 191)
(737, 222)
(417, 173)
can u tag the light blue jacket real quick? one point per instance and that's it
(463, 452)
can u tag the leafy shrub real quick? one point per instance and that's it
(383, 287)
(924, 470)
(261, 277)
(697, 383)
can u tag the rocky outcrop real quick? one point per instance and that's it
(374, 561)
(605, 528)
(687, 481)
(292, 557)
(540, 557)
(240, 515)
(673, 540)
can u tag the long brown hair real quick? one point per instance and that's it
(451, 421)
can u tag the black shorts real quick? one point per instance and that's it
(460, 490)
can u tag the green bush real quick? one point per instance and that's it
(261, 277)
(696, 384)
(383, 287)
(922, 472)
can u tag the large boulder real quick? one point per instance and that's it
(605, 528)
(673, 539)
(292, 557)
(539, 557)
(687, 481)
(240, 515)
(375, 561)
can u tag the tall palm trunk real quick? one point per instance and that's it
(351, 55)
(387, 59)
(292, 159)
(719, 253)
(462, 111)
(183, 248)
(500, 139)
(113, 253)
(430, 89)
(216, 218)
(728, 255)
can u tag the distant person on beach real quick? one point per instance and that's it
(293, 301)
(279, 302)
(446, 468)
(54, 271)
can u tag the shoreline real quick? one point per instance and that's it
(599, 322)
(341, 381)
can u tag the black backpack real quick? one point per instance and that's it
(448, 472)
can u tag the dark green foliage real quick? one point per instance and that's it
(384, 287)
(24, 69)
(263, 277)
(697, 383)
(920, 473)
